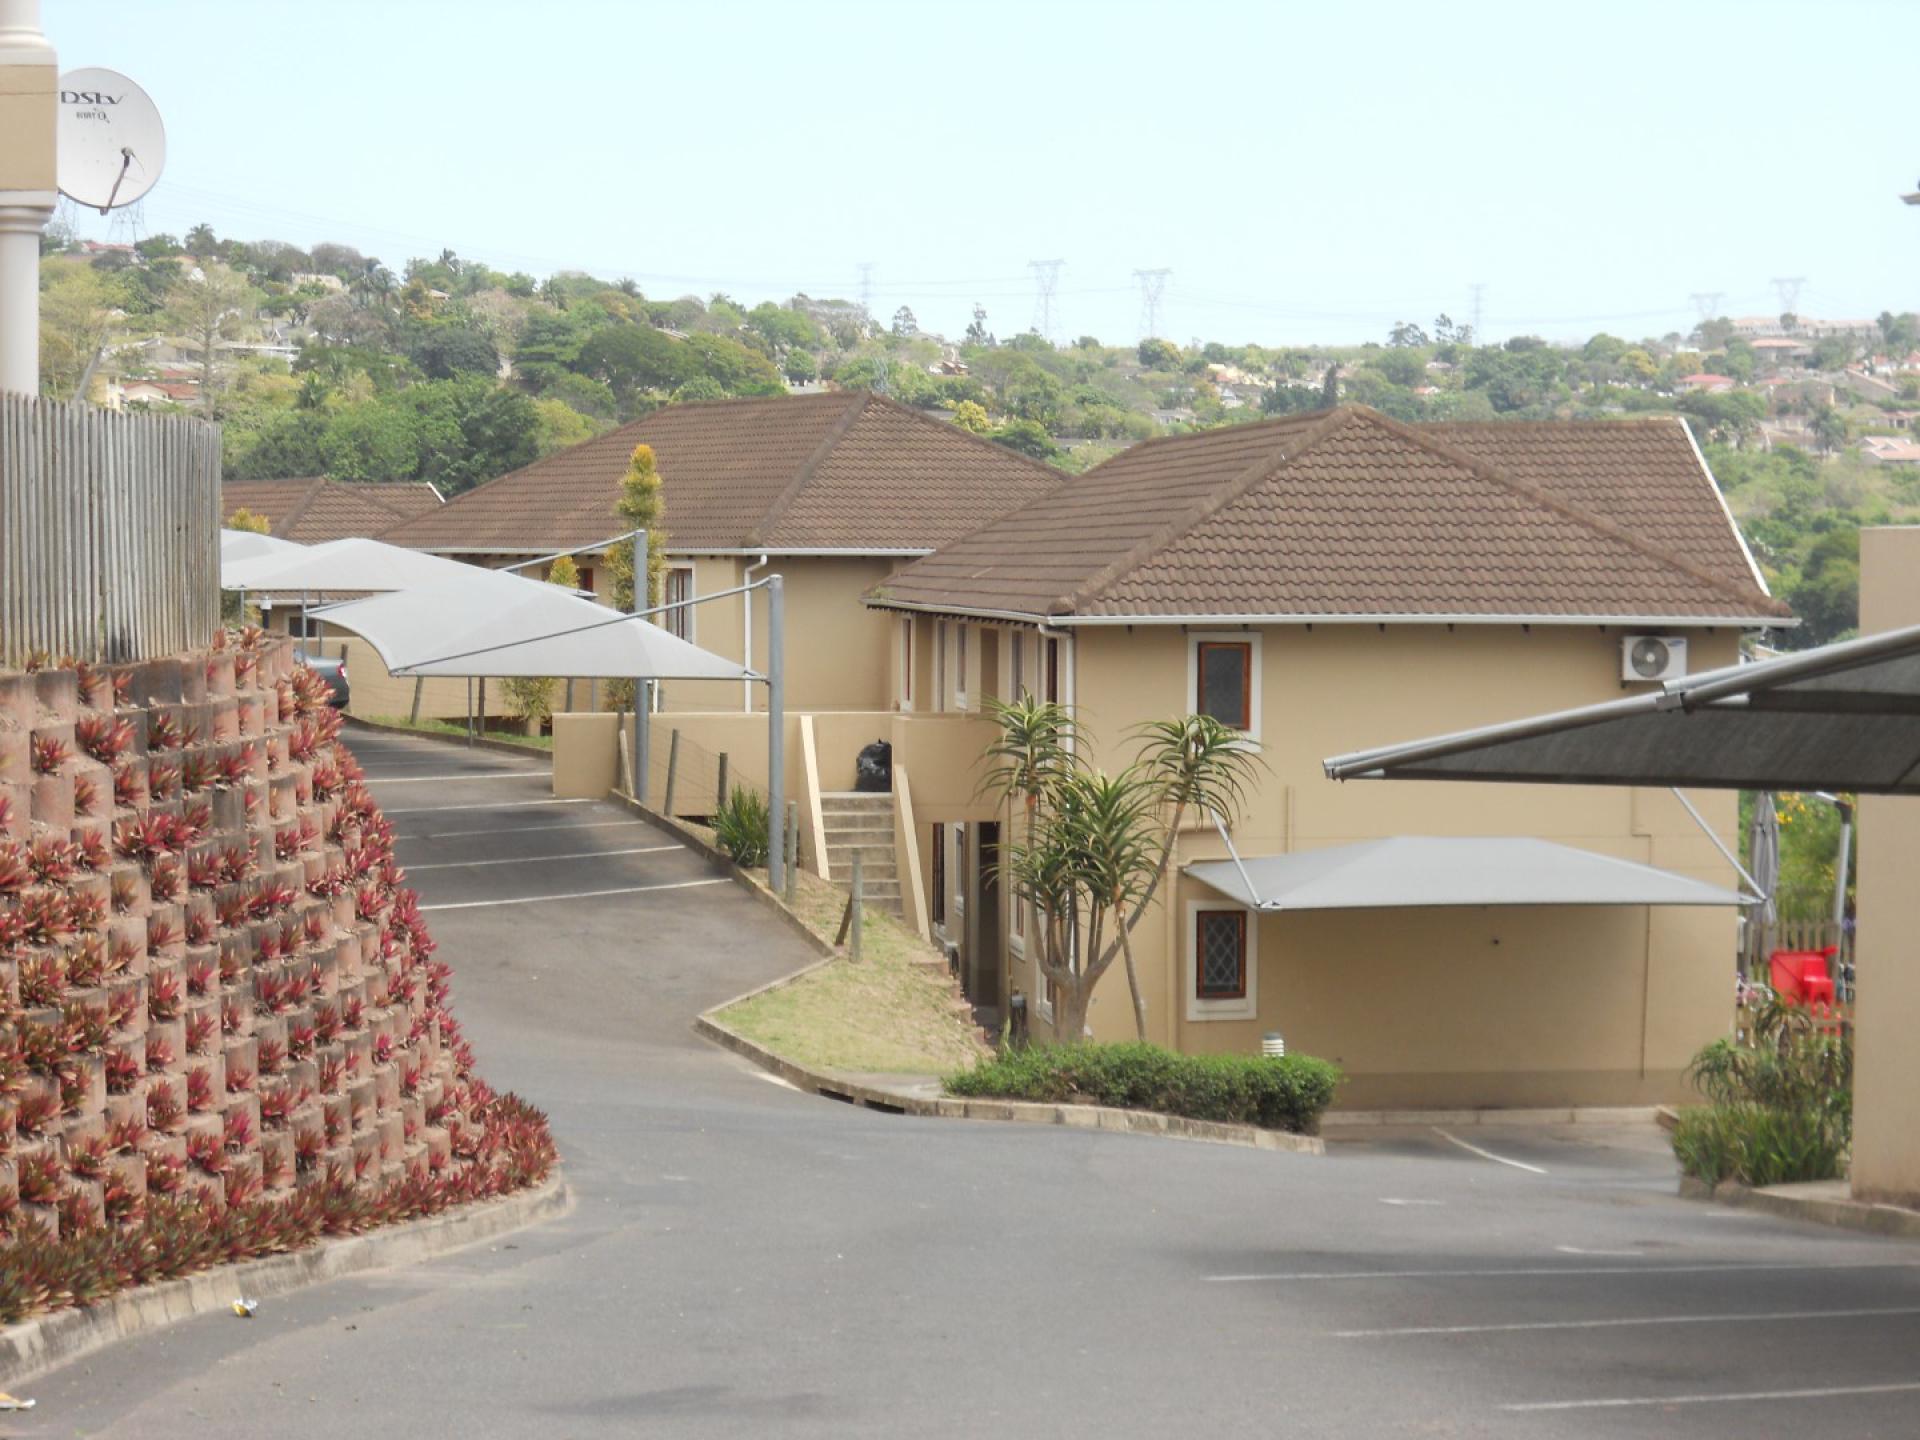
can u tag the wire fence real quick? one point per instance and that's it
(109, 532)
(687, 780)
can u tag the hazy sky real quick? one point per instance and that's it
(1307, 171)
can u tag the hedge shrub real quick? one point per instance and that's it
(1277, 1093)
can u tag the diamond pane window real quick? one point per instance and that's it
(1226, 683)
(1223, 955)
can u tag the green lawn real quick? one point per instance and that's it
(888, 1012)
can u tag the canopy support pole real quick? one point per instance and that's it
(1707, 830)
(644, 742)
(469, 712)
(776, 731)
(1238, 863)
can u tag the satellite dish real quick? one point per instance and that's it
(112, 144)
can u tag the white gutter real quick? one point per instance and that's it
(914, 552)
(746, 632)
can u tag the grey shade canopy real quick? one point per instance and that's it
(1412, 870)
(351, 564)
(237, 545)
(1843, 717)
(485, 623)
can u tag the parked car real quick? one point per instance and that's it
(334, 672)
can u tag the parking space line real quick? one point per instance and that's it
(467, 775)
(578, 895)
(1736, 1267)
(1616, 1324)
(1825, 1392)
(516, 830)
(537, 859)
(486, 805)
(1488, 1154)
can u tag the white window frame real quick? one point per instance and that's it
(940, 647)
(958, 649)
(905, 646)
(1246, 1007)
(1255, 673)
(685, 616)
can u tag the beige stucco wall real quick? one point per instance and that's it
(1425, 1008)
(585, 755)
(1886, 1139)
(833, 641)
(27, 111)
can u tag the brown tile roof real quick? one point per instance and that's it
(832, 471)
(1346, 513)
(312, 511)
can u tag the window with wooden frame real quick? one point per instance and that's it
(938, 874)
(1220, 958)
(1016, 666)
(960, 665)
(1223, 679)
(1051, 648)
(1222, 961)
(939, 665)
(1225, 684)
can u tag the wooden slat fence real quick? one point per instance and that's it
(109, 532)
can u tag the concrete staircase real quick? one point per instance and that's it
(858, 821)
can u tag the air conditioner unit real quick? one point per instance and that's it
(1652, 657)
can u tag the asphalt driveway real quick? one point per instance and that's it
(745, 1261)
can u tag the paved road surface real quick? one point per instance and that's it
(747, 1261)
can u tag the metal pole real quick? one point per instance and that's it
(673, 767)
(1841, 863)
(469, 712)
(720, 788)
(480, 710)
(859, 905)
(419, 684)
(643, 746)
(776, 729)
(793, 846)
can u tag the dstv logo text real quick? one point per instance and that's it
(89, 97)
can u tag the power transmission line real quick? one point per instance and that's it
(1477, 291)
(1789, 290)
(1707, 303)
(1153, 284)
(866, 287)
(1046, 274)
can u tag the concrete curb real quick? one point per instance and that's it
(458, 742)
(1550, 1115)
(44, 1342)
(1782, 1200)
(1079, 1117)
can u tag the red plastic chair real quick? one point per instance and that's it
(1803, 977)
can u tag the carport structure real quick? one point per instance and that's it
(1844, 717)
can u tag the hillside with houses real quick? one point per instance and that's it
(448, 372)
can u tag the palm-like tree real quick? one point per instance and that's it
(1095, 847)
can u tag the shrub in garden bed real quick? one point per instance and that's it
(1782, 1102)
(1275, 1092)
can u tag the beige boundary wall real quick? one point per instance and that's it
(1886, 1136)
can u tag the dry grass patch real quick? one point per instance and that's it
(891, 1011)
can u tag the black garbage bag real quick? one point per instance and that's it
(873, 771)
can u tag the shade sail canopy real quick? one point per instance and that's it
(1843, 717)
(486, 623)
(338, 565)
(1402, 871)
(238, 545)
